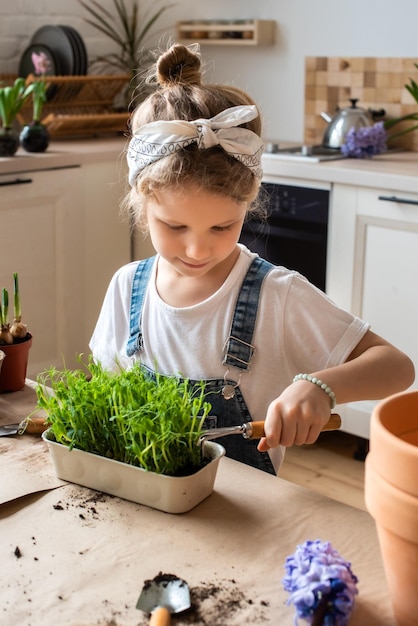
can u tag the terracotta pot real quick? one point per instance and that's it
(13, 370)
(391, 494)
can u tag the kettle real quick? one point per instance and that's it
(343, 120)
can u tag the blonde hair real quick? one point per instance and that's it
(181, 95)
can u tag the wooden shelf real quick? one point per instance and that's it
(227, 32)
(81, 105)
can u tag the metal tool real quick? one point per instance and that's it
(255, 430)
(31, 425)
(162, 596)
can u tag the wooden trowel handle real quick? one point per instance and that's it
(33, 425)
(160, 617)
(334, 423)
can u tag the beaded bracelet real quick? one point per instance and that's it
(323, 386)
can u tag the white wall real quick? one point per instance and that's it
(273, 75)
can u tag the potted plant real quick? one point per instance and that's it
(389, 124)
(129, 30)
(129, 435)
(34, 136)
(391, 497)
(15, 342)
(12, 99)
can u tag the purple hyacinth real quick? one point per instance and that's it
(319, 580)
(365, 141)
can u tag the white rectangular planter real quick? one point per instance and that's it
(171, 494)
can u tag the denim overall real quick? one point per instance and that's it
(228, 405)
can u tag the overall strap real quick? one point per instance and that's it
(139, 288)
(238, 349)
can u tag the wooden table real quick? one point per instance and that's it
(72, 556)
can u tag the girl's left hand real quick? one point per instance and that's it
(296, 417)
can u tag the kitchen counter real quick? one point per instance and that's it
(395, 170)
(390, 171)
(68, 153)
(73, 556)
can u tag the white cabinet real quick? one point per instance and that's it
(106, 232)
(372, 270)
(41, 216)
(60, 230)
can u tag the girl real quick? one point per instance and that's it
(205, 307)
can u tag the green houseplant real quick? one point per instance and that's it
(129, 30)
(127, 434)
(389, 124)
(34, 137)
(15, 342)
(12, 99)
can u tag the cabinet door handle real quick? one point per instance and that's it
(398, 200)
(16, 181)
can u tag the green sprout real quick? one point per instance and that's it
(128, 416)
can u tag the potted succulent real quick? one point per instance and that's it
(12, 99)
(15, 342)
(129, 435)
(34, 136)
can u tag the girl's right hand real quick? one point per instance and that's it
(296, 417)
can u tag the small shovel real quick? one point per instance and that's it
(162, 596)
(31, 425)
(255, 430)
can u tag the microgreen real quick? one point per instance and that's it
(128, 416)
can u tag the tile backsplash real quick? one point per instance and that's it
(377, 83)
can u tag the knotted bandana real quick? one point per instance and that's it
(162, 138)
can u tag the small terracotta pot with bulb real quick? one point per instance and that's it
(15, 343)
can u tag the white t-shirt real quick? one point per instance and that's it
(298, 329)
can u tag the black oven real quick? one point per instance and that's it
(294, 233)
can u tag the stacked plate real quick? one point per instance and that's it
(63, 49)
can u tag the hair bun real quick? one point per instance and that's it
(179, 65)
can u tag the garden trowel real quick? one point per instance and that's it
(255, 430)
(31, 425)
(163, 595)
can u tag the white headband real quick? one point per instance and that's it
(159, 139)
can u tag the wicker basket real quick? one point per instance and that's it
(80, 105)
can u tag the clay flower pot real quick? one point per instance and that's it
(14, 365)
(391, 494)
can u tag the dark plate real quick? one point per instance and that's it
(26, 66)
(74, 45)
(57, 40)
(79, 49)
